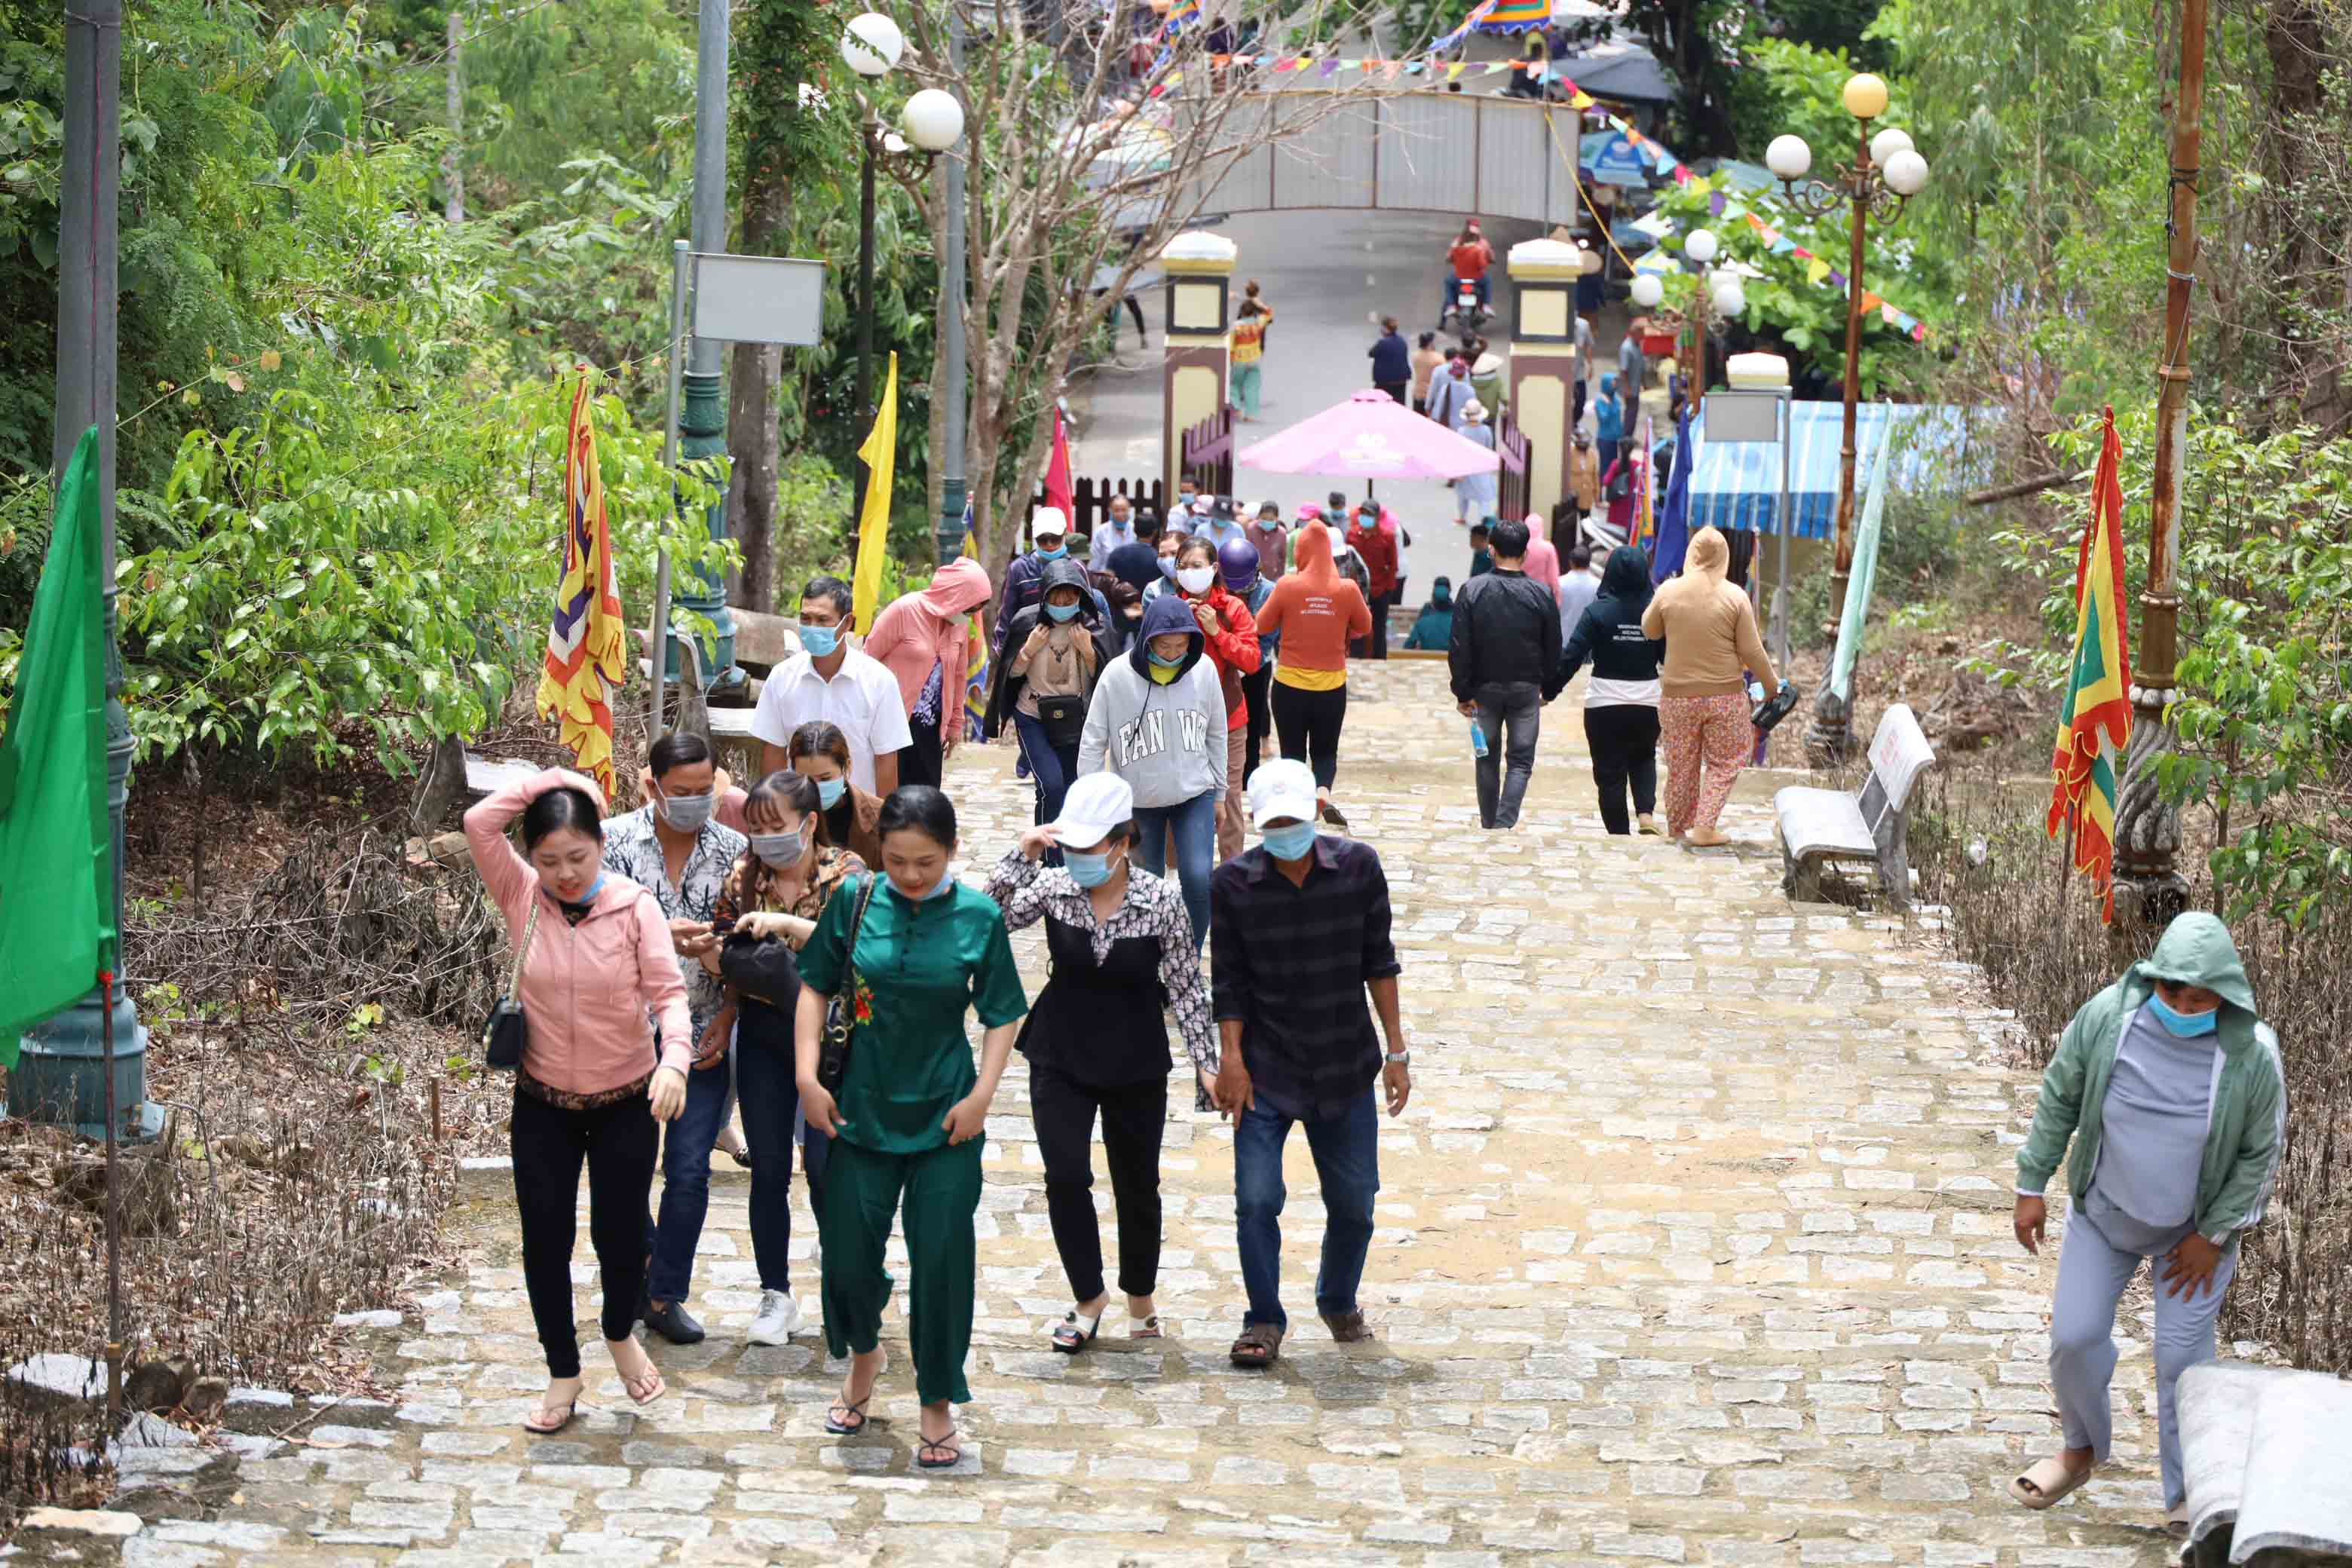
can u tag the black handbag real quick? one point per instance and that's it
(1064, 719)
(762, 968)
(1768, 714)
(506, 1031)
(840, 1011)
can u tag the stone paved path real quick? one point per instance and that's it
(1693, 1247)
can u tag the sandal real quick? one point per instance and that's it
(1144, 1328)
(943, 1444)
(1347, 1328)
(539, 1425)
(836, 1419)
(1074, 1333)
(1259, 1346)
(2045, 1482)
(2176, 1523)
(650, 1380)
(1334, 815)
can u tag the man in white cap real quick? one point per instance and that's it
(1048, 527)
(1299, 933)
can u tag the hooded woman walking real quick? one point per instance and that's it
(921, 639)
(1157, 721)
(1057, 649)
(1543, 556)
(1474, 494)
(1620, 708)
(1711, 643)
(2168, 1085)
(1434, 627)
(1232, 633)
(1315, 610)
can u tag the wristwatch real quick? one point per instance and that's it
(1399, 1058)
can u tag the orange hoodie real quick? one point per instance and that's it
(1317, 611)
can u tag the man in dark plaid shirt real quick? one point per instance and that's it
(1299, 933)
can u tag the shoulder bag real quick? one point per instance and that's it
(506, 1030)
(840, 1011)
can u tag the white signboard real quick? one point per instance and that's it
(758, 299)
(1743, 416)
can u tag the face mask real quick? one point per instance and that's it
(1291, 842)
(1062, 612)
(829, 791)
(1053, 554)
(1168, 567)
(2185, 1026)
(686, 813)
(1183, 498)
(780, 850)
(820, 641)
(1196, 579)
(1159, 663)
(941, 888)
(586, 898)
(1087, 870)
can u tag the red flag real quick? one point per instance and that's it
(1058, 474)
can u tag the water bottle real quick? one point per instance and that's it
(1477, 739)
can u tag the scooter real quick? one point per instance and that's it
(1466, 314)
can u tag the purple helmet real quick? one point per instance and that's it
(1237, 564)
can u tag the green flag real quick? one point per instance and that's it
(57, 876)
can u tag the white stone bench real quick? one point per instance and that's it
(1819, 826)
(2266, 1456)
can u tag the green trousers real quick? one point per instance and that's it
(941, 1193)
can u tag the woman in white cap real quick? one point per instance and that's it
(1121, 946)
(1474, 494)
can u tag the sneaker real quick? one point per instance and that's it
(780, 1316)
(674, 1322)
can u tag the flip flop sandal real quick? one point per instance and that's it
(841, 1425)
(944, 1444)
(1074, 1333)
(1334, 816)
(651, 1375)
(2045, 1483)
(2176, 1521)
(570, 1412)
(740, 1156)
(1259, 1346)
(1145, 1328)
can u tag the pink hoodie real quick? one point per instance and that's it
(587, 989)
(1543, 556)
(916, 630)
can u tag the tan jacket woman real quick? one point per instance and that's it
(1712, 646)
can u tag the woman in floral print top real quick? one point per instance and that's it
(776, 888)
(1121, 945)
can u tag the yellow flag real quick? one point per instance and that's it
(880, 456)
(1816, 269)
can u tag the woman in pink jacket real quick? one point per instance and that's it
(599, 962)
(922, 637)
(1542, 564)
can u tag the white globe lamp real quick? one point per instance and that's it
(1788, 158)
(1888, 142)
(1906, 173)
(1648, 290)
(934, 120)
(1701, 246)
(1730, 300)
(1865, 96)
(872, 44)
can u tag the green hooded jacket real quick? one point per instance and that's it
(2247, 1128)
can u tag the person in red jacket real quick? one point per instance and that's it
(1373, 534)
(1232, 633)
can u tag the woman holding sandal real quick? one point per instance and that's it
(1122, 951)
(595, 965)
(908, 952)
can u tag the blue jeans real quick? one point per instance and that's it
(1054, 767)
(1194, 823)
(686, 1183)
(1347, 1160)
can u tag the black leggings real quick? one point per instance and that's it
(1254, 687)
(919, 761)
(1134, 1117)
(619, 1141)
(1308, 723)
(1623, 740)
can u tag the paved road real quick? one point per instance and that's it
(1693, 1248)
(1329, 276)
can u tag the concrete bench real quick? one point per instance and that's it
(2266, 1456)
(1820, 826)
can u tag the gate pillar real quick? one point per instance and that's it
(1543, 361)
(1200, 267)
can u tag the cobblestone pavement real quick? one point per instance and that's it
(1693, 1248)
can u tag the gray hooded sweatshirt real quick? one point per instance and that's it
(1167, 741)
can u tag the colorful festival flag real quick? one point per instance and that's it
(57, 850)
(2094, 722)
(587, 643)
(880, 456)
(1058, 490)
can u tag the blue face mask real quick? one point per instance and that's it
(2185, 1026)
(1062, 612)
(587, 898)
(1168, 567)
(820, 641)
(1053, 554)
(1291, 842)
(1087, 870)
(829, 791)
(1165, 663)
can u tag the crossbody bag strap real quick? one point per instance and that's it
(522, 953)
(856, 925)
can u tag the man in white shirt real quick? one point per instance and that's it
(1110, 536)
(834, 683)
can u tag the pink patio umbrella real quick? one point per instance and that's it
(1374, 437)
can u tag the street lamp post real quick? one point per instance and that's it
(703, 422)
(872, 45)
(1886, 172)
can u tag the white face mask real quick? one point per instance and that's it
(1196, 579)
